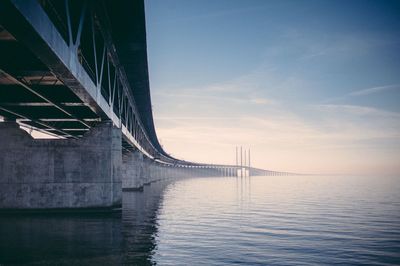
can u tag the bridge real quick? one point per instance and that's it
(77, 70)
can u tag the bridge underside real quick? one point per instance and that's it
(33, 95)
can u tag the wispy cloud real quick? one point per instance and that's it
(235, 99)
(373, 90)
(363, 92)
(261, 101)
(174, 118)
(356, 110)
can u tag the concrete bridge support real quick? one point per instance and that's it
(133, 177)
(60, 173)
(138, 170)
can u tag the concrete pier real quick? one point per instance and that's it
(132, 171)
(60, 173)
(138, 170)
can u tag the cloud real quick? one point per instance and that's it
(363, 92)
(174, 118)
(356, 110)
(373, 90)
(261, 101)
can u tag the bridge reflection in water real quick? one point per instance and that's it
(85, 238)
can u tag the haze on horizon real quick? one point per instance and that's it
(309, 86)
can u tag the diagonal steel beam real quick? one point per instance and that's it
(68, 119)
(40, 104)
(37, 122)
(11, 78)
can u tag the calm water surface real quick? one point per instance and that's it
(294, 220)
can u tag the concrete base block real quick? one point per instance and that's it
(60, 173)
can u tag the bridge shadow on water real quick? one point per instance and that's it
(97, 238)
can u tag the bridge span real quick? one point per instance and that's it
(77, 70)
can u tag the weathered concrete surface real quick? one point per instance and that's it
(132, 171)
(138, 170)
(37, 173)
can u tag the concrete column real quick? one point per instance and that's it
(60, 173)
(146, 171)
(156, 172)
(133, 171)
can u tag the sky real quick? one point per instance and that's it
(308, 86)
